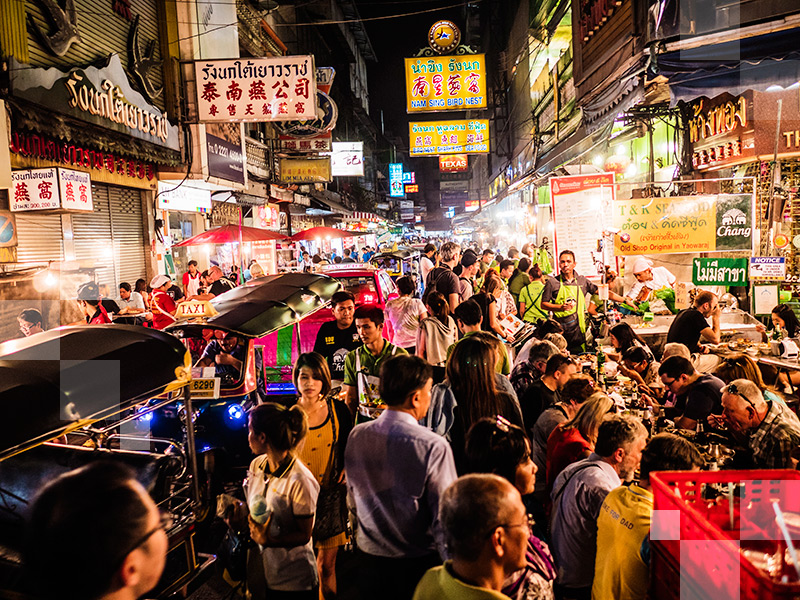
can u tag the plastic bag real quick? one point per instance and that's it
(667, 295)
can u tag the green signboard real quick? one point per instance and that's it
(719, 271)
(396, 230)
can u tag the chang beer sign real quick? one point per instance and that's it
(734, 222)
(719, 271)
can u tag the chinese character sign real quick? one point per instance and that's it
(76, 190)
(431, 138)
(259, 89)
(348, 159)
(396, 180)
(305, 170)
(34, 189)
(445, 83)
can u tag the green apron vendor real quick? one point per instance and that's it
(530, 298)
(565, 295)
(362, 366)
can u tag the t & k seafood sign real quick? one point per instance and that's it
(684, 224)
(258, 89)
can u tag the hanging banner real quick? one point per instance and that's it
(683, 224)
(719, 271)
(580, 206)
(305, 170)
(445, 83)
(430, 138)
(259, 89)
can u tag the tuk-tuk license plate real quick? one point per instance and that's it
(206, 387)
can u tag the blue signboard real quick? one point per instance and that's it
(396, 189)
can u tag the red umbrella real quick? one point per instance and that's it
(230, 234)
(321, 233)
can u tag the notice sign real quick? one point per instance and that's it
(50, 189)
(432, 138)
(719, 271)
(445, 83)
(767, 268)
(580, 203)
(683, 224)
(259, 89)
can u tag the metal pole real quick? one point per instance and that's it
(191, 451)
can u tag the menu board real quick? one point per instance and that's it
(581, 205)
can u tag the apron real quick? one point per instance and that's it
(573, 320)
(369, 396)
(534, 312)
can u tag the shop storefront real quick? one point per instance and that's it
(184, 211)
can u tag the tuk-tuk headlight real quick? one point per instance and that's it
(235, 412)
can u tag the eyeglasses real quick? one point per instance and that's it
(669, 383)
(733, 389)
(165, 523)
(528, 523)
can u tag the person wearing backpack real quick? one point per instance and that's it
(442, 279)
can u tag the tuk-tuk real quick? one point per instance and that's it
(241, 323)
(399, 262)
(66, 396)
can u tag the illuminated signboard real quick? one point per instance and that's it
(258, 89)
(445, 83)
(471, 205)
(453, 163)
(347, 159)
(409, 177)
(412, 189)
(305, 170)
(432, 138)
(396, 180)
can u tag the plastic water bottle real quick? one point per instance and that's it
(258, 511)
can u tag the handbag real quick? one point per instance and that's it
(331, 517)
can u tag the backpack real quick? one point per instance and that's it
(432, 281)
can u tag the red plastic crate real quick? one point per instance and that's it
(703, 554)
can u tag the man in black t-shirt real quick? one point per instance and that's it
(219, 284)
(335, 339)
(442, 279)
(698, 395)
(691, 324)
(543, 392)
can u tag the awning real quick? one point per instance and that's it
(754, 63)
(366, 216)
(331, 200)
(624, 92)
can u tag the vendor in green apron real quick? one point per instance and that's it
(565, 295)
(530, 297)
(362, 366)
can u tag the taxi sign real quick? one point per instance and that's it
(193, 309)
(205, 388)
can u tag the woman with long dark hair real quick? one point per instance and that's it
(436, 334)
(322, 451)
(488, 299)
(470, 394)
(622, 337)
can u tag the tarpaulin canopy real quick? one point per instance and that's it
(317, 233)
(229, 234)
(755, 63)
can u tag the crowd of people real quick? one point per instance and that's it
(456, 473)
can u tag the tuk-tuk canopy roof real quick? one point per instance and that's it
(56, 381)
(269, 303)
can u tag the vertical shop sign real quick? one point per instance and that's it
(396, 180)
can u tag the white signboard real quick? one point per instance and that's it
(183, 198)
(34, 189)
(768, 268)
(76, 190)
(347, 159)
(580, 206)
(257, 89)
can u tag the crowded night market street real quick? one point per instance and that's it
(399, 300)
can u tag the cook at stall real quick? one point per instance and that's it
(648, 279)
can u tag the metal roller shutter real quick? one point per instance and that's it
(92, 238)
(39, 238)
(128, 234)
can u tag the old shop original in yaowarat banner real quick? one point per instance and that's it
(684, 224)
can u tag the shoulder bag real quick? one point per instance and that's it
(331, 518)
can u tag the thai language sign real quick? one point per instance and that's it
(683, 224)
(431, 138)
(258, 89)
(306, 170)
(396, 180)
(719, 271)
(445, 83)
(768, 268)
(50, 189)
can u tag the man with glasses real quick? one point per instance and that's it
(104, 504)
(578, 494)
(335, 339)
(772, 430)
(486, 529)
(697, 394)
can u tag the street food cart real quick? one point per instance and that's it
(78, 386)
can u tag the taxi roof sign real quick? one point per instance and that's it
(195, 309)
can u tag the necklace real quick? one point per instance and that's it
(315, 406)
